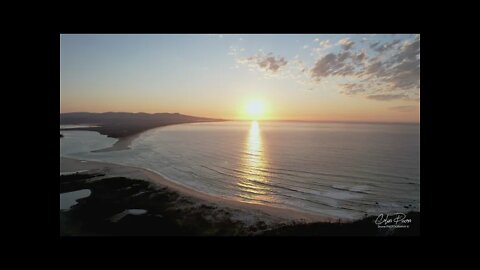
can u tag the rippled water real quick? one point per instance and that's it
(335, 169)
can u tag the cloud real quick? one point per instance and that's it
(404, 67)
(344, 56)
(376, 69)
(389, 71)
(381, 76)
(410, 50)
(346, 43)
(272, 64)
(341, 64)
(351, 89)
(326, 66)
(408, 108)
(360, 57)
(267, 62)
(234, 50)
(383, 47)
(325, 44)
(375, 44)
(386, 97)
(320, 46)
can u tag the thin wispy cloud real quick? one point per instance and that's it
(346, 43)
(386, 97)
(379, 47)
(404, 108)
(325, 44)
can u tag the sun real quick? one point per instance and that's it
(255, 109)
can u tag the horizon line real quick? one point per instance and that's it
(271, 120)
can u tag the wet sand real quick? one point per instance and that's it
(246, 210)
(276, 221)
(122, 144)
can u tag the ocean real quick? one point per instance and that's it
(340, 170)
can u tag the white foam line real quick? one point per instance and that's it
(69, 173)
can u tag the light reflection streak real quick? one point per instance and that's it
(252, 173)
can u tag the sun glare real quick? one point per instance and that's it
(255, 109)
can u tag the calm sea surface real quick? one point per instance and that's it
(335, 169)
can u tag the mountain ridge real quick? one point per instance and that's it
(123, 124)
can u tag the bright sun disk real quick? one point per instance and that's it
(255, 109)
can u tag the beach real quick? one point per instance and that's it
(105, 194)
(240, 161)
(113, 200)
(240, 135)
(271, 214)
(104, 184)
(219, 216)
(123, 143)
(109, 199)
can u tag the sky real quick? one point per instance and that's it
(312, 77)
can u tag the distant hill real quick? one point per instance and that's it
(121, 124)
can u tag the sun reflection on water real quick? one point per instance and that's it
(253, 172)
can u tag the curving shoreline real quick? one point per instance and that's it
(249, 214)
(116, 170)
(124, 200)
(123, 143)
(110, 169)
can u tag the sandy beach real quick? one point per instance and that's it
(123, 143)
(270, 214)
(114, 199)
(239, 134)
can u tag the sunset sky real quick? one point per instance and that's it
(286, 77)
